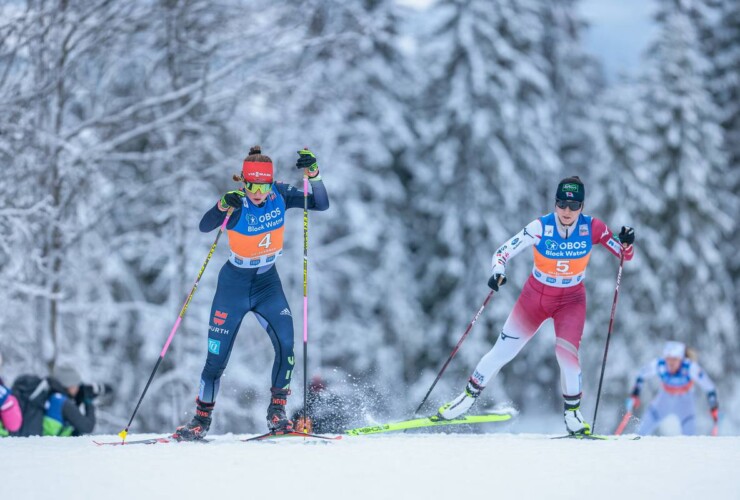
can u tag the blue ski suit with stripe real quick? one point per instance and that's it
(251, 282)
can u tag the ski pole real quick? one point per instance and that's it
(631, 406)
(623, 423)
(608, 336)
(454, 351)
(715, 427)
(305, 300)
(124, 432)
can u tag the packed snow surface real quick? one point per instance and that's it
(391, 466)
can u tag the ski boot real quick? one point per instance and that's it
(277, 420)
(574, 422)
(198, 426)
(462, 403)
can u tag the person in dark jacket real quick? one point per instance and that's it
(69, 409)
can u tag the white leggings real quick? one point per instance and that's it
(664, 404)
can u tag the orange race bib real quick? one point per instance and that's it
(562, 262)
(257, 238)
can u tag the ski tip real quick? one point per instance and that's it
(597, 437)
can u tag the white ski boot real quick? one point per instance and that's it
(574, 420)
(460, 404)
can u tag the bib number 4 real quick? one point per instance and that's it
(266, 242)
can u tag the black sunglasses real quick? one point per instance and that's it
(573, 205)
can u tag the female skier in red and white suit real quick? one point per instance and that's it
(562, 242)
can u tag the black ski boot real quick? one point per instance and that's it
(277, 420)
(198, 426)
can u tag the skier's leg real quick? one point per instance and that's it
(519, 328)
(686, 412)
(569, 317)
(280, 330)
(657, 411)
(688, 425)
(273, 312)
(229, 306)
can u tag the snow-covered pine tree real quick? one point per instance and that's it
(576, 80)
(177, 171)
(488, 158)
(50, 52)
(724, 83)
(666, 154)
(100, 119)
(346, 95)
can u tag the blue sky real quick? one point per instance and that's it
(620, 30)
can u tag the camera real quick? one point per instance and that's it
(100, 389)
(93, 390)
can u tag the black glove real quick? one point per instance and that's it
(627, 236)
(712, 400)
(307, 160)
(232, 199)
(499, 273)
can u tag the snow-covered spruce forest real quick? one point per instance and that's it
(439, 132)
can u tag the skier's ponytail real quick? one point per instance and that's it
(692, 354)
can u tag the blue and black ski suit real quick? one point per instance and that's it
(249, 281)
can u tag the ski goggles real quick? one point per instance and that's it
(255, 187)
(573, 205)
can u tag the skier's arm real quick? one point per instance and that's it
(215, 217)
(698, 375)
(648, 370)
(318, 198)
(83, 424)
(527, 237)
(530, 235)
(601, 234)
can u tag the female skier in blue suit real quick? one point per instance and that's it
(249, 281)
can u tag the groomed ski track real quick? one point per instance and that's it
(391, 466)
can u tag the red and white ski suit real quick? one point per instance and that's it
(554, 290)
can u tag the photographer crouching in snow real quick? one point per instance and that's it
(69, 409)
(60, 405)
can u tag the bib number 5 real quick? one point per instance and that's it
(563, 266)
